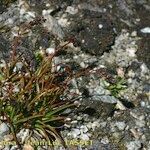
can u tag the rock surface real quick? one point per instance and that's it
(110, 37)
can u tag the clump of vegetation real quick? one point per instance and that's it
(116, 87)
(32, 98)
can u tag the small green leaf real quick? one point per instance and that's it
(28, 118)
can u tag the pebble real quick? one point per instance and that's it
(137, 116)
(79, 118)
(120, 106)
(134, 34)
(47, 5)
(95, 124)
(84, 137)
(16, 89)
(74, 122)
(140, 123)
(2, 63)
(135, 133)
(121, 125)
(44, 12)
(100, 26)
(68, 119)
(10, 21)
(23, 134)
(142, 104)
(83, 129)
(99, 90)
(144, 69)
(67, 111)
(120, 72)
(67, 125)
(31, 14)
(103, 124)
(14, 147)
(71, 10)
(53, 26)
(8, 137)
(89, 125)
(105, 140)
(28, 147)
(22, 11)
(108, 99)
(75, 133)
(50, 50)
(134, 145)
(19, 65)
(131, 51)
(145, 30)
(82, 64)
(7, 147)
(4, 129)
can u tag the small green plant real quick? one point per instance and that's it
(118, 86)
(31, 99)
(34, 97)
(38, 57)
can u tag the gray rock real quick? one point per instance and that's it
(13, 13)
(4, 129)
(84, 27)
(120, 125)
(7, 147)
(140, 123)
(105, 140)
(84, 137)
(67, 111)
(83, 129)
(14, 147)
(75, 132)
(79, 118)
(106, 99)
(146, 30)
(23, 134)
(134, 145)
(99, 90)
(52, 25)
(99, 105)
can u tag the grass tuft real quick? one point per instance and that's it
(31, 99)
